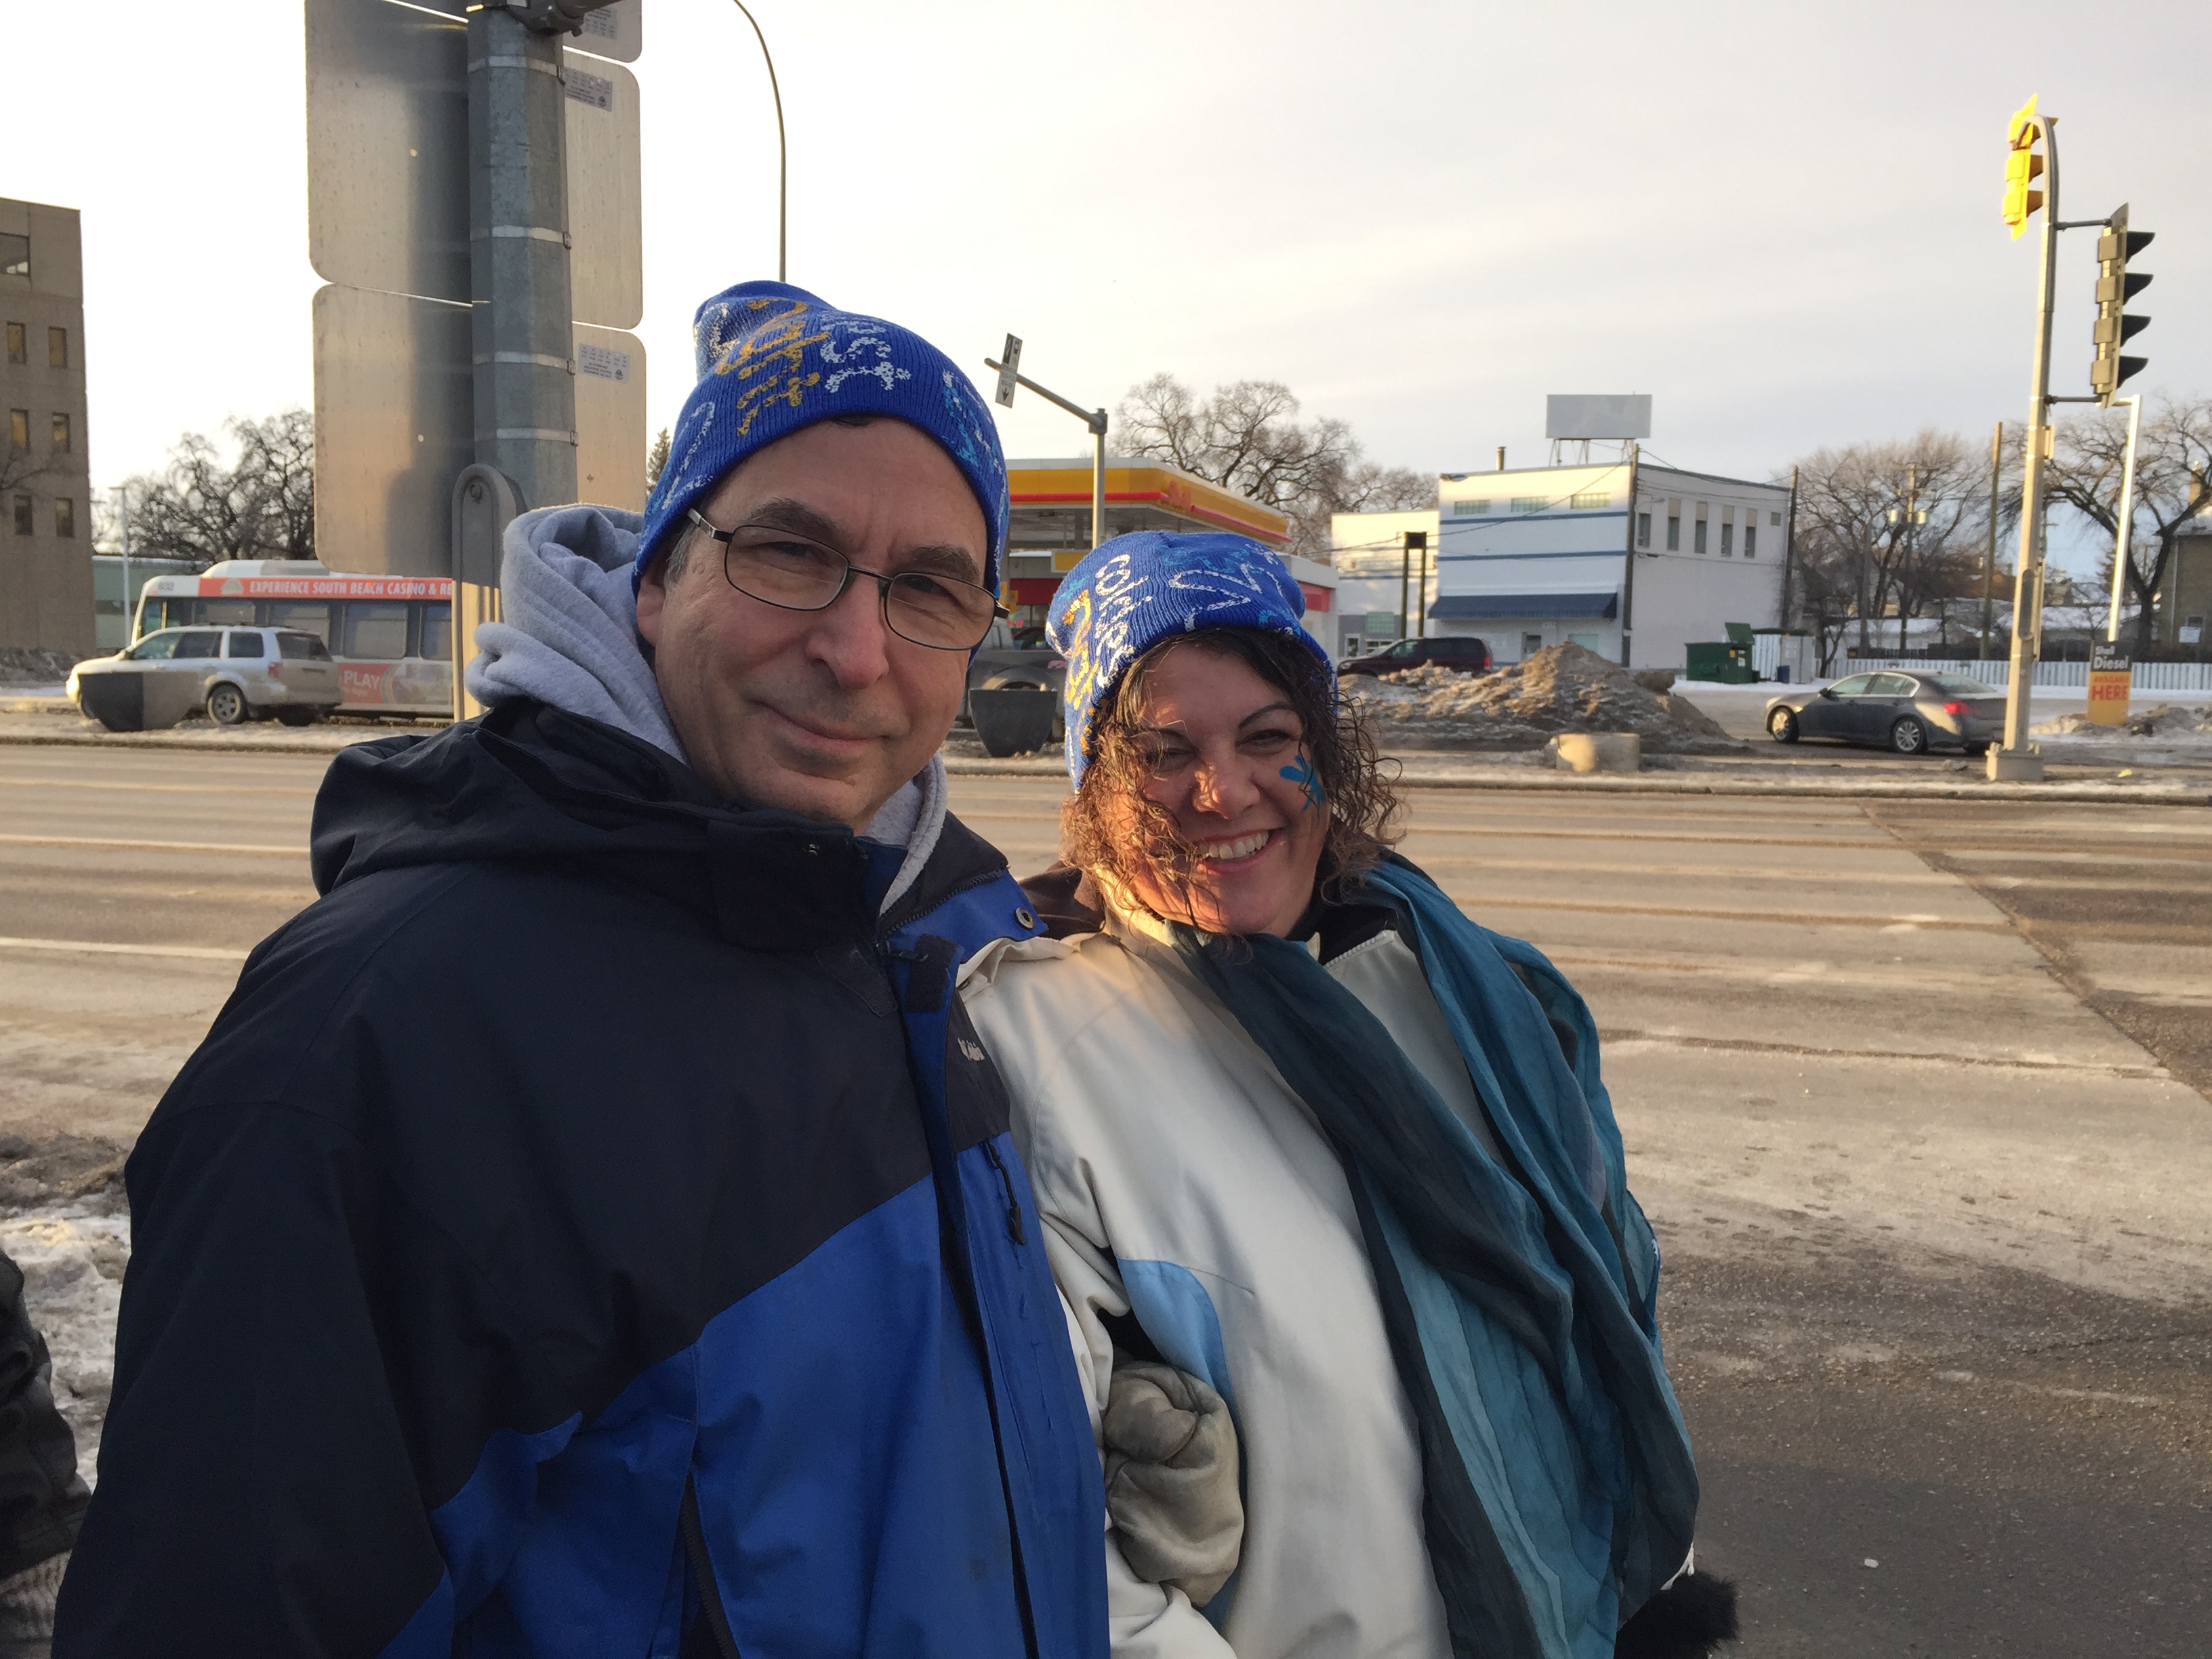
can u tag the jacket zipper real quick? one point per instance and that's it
(694, 1534)
(1014, 1229)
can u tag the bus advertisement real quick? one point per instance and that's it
(392, 636)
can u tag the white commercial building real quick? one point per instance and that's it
(1539, 556)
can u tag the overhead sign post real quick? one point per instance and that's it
(474, 205)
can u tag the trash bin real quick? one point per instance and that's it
(1013, 720)
(1720, 661)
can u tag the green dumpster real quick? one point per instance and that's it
(1721, 661)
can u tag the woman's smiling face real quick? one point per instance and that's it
(1228, 763)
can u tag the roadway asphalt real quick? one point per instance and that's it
(1913, 1090)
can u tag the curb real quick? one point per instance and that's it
(1690, 783)
(1525, 778)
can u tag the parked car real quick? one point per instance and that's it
(1907, 712)
(1016, 659)
(1468, 655)
(232, 674)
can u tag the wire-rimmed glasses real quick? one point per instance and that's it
(792, 572)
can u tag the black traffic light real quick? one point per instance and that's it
(2115, 245)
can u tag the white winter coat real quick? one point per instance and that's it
(1177, 1172)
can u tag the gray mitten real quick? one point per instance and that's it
(1171, 1479)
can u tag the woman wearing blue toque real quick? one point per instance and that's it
(1301, 1130)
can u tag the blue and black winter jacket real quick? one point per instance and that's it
(588, 1230)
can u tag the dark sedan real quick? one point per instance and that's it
(1910, 712)
(1467, 654)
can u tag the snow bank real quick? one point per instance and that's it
(1524, 705)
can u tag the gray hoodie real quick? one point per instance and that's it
(570, 640)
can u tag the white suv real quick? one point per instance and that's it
(232, 674)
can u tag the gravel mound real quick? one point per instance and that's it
(1527, 703)
(22, 666)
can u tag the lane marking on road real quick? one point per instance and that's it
(94, 947)
(108, 845)
(1480, 904)
(1920, 876)
(13, 782)
(1615, 1039)
(1788, 976)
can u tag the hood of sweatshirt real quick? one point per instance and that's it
(570, 641)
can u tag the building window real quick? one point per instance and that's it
(19, 348)
(1727, 540)
(1699, 545)
(1673, 532)
(1775, 520)
(60, 430)
(25, 524)
(19, 430)
(65, 518)
(1469, 509)
(1751, 541)
(1644, 530)
(1531, 503)
(57, 348)
(1591, 500)
(14, 256)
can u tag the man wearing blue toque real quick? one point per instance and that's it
(591, 1228)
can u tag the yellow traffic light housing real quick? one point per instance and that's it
(2022, 168)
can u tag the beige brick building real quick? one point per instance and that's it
(46, 498)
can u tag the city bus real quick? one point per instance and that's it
(392, 636)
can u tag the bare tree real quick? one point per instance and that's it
(205, 509)
(2173, 485)
(1248, 437)
(1879, 524)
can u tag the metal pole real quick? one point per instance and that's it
(1405, 579)
(1628, 561)
(1098, 477)
(2123, 542)
(1990, 555)
(1426, 567)
(129, 610)
(521, 331)
(1911, 546)
(781, 157)
(1789, 538)
(2017, 759)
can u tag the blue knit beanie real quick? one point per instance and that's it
(773, 359)
(1128, 594)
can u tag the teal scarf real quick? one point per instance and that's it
(1520, 1294)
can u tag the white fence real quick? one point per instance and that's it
(2148, 677)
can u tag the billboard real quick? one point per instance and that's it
(1598, 417)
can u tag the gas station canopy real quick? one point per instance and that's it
(1049, 528)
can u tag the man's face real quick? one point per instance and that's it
(825, 712)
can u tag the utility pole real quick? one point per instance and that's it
(129, 610)
(1628, 561)
(1412, 539)
(1427, 556)
(2017, 759)
(2122, 539)
(1910, 526)
(1989, 554)
(1789, 551)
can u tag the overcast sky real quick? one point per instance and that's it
(1780, 220)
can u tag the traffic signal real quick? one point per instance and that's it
(2022, 168)
(2115, 245)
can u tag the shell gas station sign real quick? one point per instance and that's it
(2111, 672)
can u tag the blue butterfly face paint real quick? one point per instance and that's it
(1301, 772)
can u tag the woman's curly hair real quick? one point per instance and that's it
(1109, 824)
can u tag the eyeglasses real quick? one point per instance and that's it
(793, 573)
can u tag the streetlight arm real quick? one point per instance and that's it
(782, 154)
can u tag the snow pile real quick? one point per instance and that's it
(20, 665)
(1524, 705)
(2165, 719)
(72, 1260)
